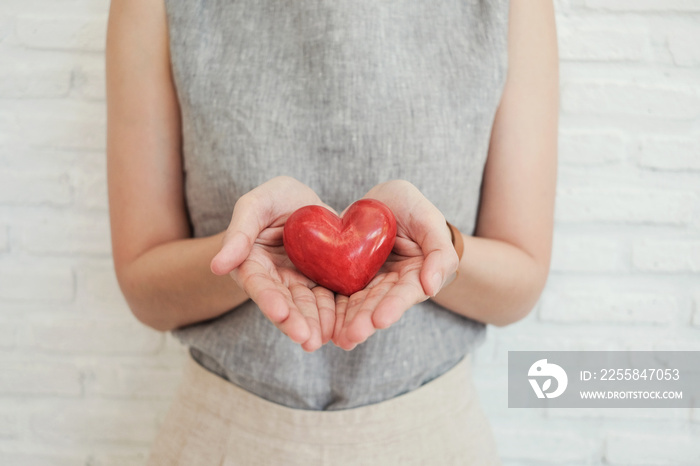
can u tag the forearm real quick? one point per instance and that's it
(497, 283)
(171, 285)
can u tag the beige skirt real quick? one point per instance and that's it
(213, 422)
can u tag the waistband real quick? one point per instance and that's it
(428, 404)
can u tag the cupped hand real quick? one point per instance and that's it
(422, 261)
(253, 254)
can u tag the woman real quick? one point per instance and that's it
(442, 110)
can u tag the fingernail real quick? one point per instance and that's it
(436, 282)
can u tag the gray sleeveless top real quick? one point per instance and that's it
(341, 95)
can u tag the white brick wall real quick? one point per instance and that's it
(625, 267)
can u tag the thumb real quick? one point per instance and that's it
(247, 221)
(441, 260)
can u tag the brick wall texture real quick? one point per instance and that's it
(82, 382)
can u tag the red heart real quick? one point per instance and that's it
(341, 254)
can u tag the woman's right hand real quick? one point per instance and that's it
(253, 254)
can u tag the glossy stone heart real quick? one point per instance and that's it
(344, 253)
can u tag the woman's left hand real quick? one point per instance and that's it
(422, 261)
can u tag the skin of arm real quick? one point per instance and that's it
(505, 264)
(163, 273)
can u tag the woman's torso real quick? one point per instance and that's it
(341, 95)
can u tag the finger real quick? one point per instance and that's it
(326, 312)
(234, 250)
(353, 304)
(427, 228)
(361, 325)
(435, 240)
(404, 294)
(250, 216)
(272, 201)
(341, 304)
(273, 299)
(305, 300)
(358, 324)
(439, 265)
